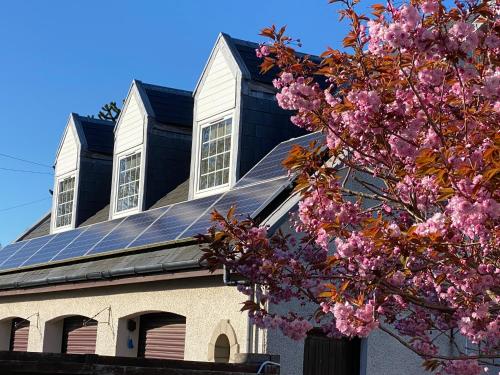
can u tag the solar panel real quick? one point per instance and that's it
(47, 252)
(247, 200)
(18, 258)
(7, 251)
(270, 166)
(180, 220)
(175, 221)
(128, 230)
(87, 240)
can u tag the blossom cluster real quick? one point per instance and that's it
(403, 232)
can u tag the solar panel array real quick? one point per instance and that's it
(180, 220)
(270, 166)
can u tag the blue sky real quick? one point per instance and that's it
(59, 57)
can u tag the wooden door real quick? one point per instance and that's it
(328, 356)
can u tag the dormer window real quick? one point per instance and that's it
(128, 182)
(65, 195)
(215, 154)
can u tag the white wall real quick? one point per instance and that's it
(68, 156)
(130, 129)
(203, 301)
(218, 91)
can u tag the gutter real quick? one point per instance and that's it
(103, 275)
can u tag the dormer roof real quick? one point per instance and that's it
(246, 51)
(245, 56)
(167, 105)
(98, 134)
(170, 106)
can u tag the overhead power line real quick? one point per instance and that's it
(24, 160)
(23, 171)
(23, 204)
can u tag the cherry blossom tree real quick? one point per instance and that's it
(398, 209)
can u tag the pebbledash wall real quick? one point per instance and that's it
(206, 303)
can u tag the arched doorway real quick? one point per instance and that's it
(222, 350)
(223, 345)
(161, 335)
(19, 335)
(79, 335)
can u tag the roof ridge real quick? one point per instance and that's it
(95, 120)
(249, 43)
(171, 90)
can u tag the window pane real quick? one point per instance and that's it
(205, 134)
(211, 180)
(204, 150)
(204, 166)
(203, 182)
(220, 162)
(211, 164)
(218, 178)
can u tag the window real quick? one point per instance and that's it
(215, 154)
(128, 182)
(65, 194)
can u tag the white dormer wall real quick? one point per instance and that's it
(66, 165)
(217, 96)
(130, 138)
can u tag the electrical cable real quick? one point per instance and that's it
(24, 160)
(23, 170)
(23, 204)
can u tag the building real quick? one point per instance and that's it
(113, 268)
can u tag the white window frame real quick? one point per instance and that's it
(202, 125)
(116, 188)
(59, 179)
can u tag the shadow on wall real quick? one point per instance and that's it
(72, 334)
(14, 333)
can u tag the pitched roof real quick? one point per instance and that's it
(98, 134)
(246, 51)
(169, 106)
